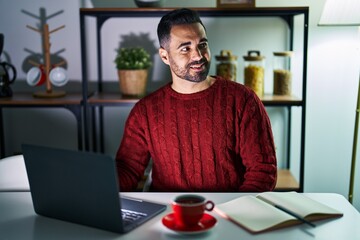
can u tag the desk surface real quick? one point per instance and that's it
(19, 221)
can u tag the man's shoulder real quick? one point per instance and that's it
(153, 96)
(233, 85)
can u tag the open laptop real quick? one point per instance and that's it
(82, 187)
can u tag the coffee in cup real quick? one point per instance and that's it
(189, 209)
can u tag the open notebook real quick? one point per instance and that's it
(261, 213)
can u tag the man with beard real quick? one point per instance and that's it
(203, 133)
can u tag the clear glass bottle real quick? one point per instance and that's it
(282, 73)
(254, 72)
(227, 65)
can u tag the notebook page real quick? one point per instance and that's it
(297, 203)
(252, 213)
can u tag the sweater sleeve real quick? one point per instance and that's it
(132, 156)
(257, 147)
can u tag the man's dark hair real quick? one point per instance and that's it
(176, 17)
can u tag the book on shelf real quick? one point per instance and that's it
(273, 210)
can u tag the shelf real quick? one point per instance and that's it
(211, 12)
(286, 181)
(111, 99)
(118, 99)
(279, 100)
(27, 99)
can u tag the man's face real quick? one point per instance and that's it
(188, 53)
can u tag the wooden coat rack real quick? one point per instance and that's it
(49, 93)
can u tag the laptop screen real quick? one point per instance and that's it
(80, 187)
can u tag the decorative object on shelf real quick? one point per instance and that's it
(254, 72)
(7, 74)
(235, 3)
(345, 13)
(282, 73)
(133, 64)
(150, 3)
(36, 75)
(227, 65)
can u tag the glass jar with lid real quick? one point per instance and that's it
(227, 65)
(254, 72)
(282, 73)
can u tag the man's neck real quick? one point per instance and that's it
(188, 87)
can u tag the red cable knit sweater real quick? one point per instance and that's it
(219, 139)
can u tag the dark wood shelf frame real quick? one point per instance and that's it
(103, 99)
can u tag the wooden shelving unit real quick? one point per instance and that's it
(286, 180)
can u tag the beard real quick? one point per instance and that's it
(185, 73)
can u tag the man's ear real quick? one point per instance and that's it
(164, 55)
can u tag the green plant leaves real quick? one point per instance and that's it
(132, 58)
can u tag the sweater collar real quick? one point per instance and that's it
(192, 96)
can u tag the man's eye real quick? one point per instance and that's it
(203, 45)
(185, 49)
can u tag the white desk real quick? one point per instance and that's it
(13, 176)
(19, 221)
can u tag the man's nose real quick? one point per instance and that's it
(197, 54)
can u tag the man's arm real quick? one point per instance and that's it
(132, 156)
(257, 148)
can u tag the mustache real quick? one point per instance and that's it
(201, 61)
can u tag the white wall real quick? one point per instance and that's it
(333, 76)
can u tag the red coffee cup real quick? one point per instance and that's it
(189, 209)
(36, 76)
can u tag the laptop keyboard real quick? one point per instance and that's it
(131, 216)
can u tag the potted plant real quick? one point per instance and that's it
(133, 64)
